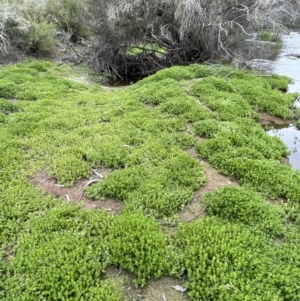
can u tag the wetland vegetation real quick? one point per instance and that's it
(146, 148)
(166, 189)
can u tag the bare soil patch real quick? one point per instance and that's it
(125, 279)
(49, 184)
(162, 289)
(155, 289)
(214, 180)
(75, 193)
(112, 205)
(266, 119)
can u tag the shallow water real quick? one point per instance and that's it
(290, 136)
(287, 63)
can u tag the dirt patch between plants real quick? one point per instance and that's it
(266, 119)
(214, 180)
(154, 290)
(75, 193)
(163, 289)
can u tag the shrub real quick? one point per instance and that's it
(207, 128)
(40, 66)
(19, 199)
(268, 36)
(260, 95)
(176, 73)
(231, 138)
(185, 107)
(110, 152)
(219, 95)
(40, 39)
(278, 82)
(2, 273)
(63, 218)
(7, 88)
(30, 26)
(29, 34)
(150, 91)
(3, 118)
(63, 268)
(69, 16)
(298, 116)
(286, 270)
(239, 94)
(29, 80)
(267, 176)
(181, 140)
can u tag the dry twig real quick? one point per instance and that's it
(86, 185)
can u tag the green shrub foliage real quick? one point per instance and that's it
(34, 26)
(268, 36)
(7, 107)
(158, 181)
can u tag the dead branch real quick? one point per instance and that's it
(180, 31)
(197, 215)
(86, 185)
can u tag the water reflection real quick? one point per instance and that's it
(290, 136)
(287, 63)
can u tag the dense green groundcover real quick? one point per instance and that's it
(245, 249)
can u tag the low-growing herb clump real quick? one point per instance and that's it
(240, 205)
(269, 177)
(243, 133)
(7, 107)
(62, 255)
(63, 268)
(225, 261)
(138, 245)
(157, 181)
(143, 137)
(241, 94)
